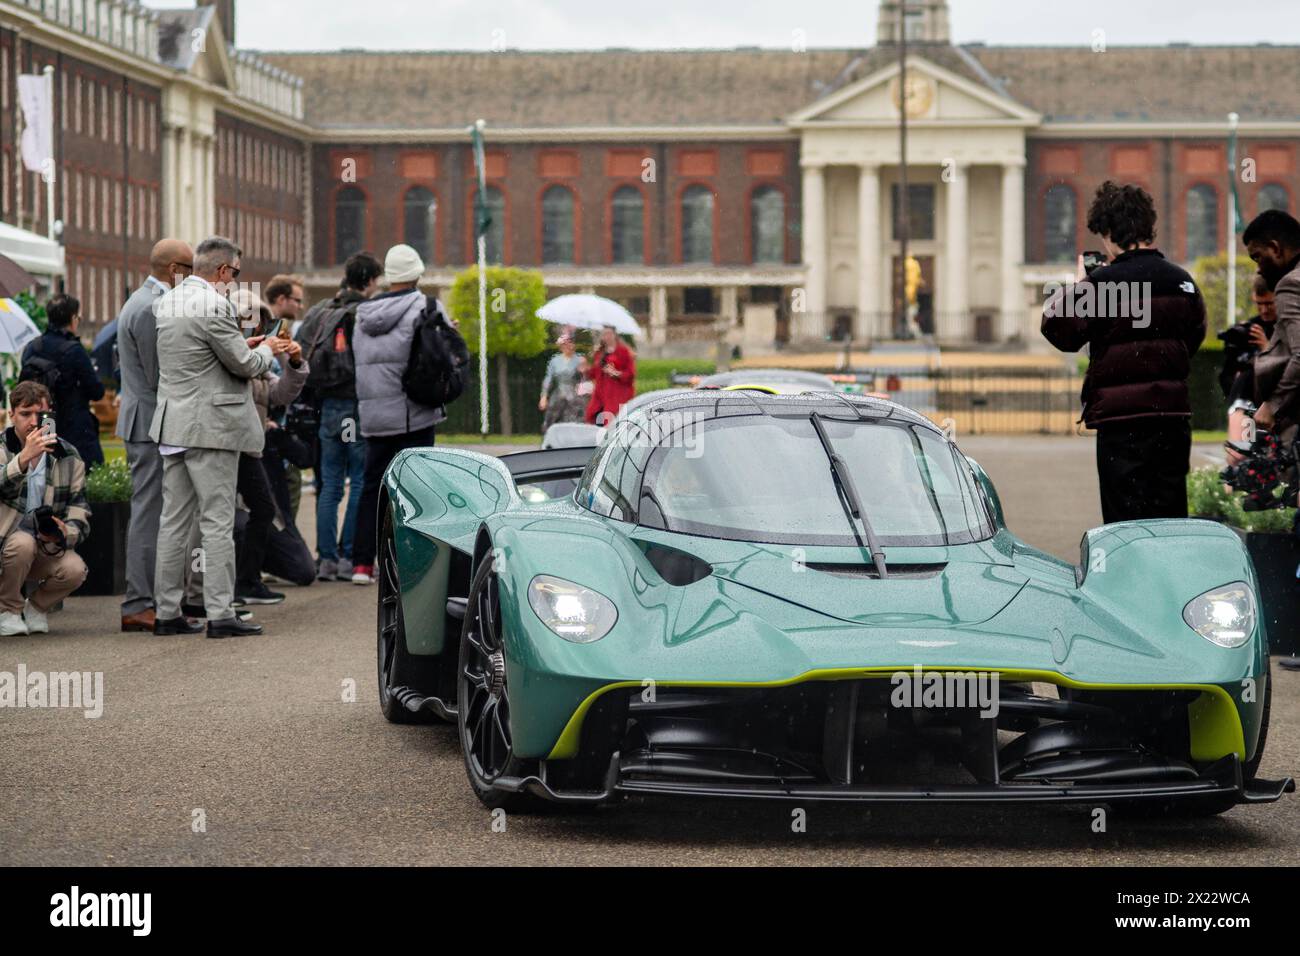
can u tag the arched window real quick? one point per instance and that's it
(349, 222)
(1273, 196)
(767, 224)
(627, 226)
(1202, 222)
(421, 214)
(495, 201)
(697, 224)
(557, 226)
(1060, 224)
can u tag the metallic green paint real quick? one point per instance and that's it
(763, 617)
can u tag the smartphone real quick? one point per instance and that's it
(283, 331)
(45, 422)
(1092, 261)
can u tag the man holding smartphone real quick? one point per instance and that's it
(43, 513)
(1142, 319)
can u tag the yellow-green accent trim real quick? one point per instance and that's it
(1215, 726)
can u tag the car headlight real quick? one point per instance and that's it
(1224, 616)
(575, 613)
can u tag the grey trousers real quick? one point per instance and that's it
(142, 533)
(198, 484)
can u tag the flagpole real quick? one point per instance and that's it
(1233, 120)
(482, 298)
(49, 173)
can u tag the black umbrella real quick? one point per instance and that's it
(13, 278)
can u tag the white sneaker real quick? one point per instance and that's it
(38, 621)
(12, 624)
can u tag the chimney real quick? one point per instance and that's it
(225, 16)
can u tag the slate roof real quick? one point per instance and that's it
(745, 87)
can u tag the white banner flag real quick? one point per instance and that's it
(38, 123)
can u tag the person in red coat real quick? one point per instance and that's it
(612, 371)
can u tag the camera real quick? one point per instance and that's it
(1266, 467)
(1238, 337)
(46, 526)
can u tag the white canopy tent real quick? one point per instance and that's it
(41, 257)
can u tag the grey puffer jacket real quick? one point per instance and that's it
(381, 346)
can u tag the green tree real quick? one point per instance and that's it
(513, 328)
(1211, 275)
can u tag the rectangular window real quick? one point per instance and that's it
(920, 210)
(697, 300)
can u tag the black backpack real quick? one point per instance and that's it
(330, 366)
(45, 371)
(435, 372)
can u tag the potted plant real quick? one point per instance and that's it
(1273, 546)
(108, 487)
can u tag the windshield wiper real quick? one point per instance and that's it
(849, 496)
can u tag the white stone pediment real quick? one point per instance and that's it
(935, 96)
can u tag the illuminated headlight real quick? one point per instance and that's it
(575, 613)
(1224, 616)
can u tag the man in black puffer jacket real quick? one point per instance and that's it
(1142, 318)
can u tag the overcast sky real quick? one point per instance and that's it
(585, 24)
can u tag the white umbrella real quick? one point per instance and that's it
(589, 312)
(16, 329)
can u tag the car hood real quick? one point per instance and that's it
(925, 587)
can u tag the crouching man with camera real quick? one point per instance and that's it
(43, 513)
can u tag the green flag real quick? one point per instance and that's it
(482, 217)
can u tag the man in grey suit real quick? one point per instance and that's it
(204, 419)
(170, 262)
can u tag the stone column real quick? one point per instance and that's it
(810, 323)
(1013, 250)
(185, 186)
(658, 315)
(869, 256)
(728, 316)
(952, 318)
(170, 185)
(207, 191)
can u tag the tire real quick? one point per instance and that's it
(1200, 807)
(400, 673)
(483, 699)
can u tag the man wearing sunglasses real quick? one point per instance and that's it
(205, 418)
(137, 349)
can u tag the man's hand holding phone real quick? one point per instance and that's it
(276, 344)
(39, 441)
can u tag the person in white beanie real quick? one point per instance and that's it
(390, 421)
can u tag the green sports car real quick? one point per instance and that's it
(807, 597)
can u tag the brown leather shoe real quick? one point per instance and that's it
(138, 622)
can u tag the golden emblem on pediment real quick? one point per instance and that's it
(920, 95)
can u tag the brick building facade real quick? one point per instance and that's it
(752, 192)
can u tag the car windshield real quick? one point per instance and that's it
(768, 479)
